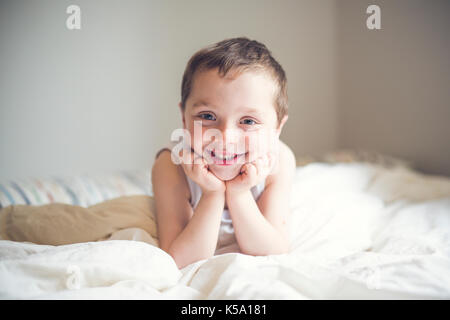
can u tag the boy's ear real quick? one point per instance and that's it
(282, 122)
(182, 115)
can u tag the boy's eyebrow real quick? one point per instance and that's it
(242, 108)
(249, 109)
(202, 103)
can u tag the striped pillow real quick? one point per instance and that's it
(83, 190)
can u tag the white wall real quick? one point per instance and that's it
(105, 97)
(394, 83)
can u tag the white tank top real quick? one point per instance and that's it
(227, 241)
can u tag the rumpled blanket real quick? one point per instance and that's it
(357, 231)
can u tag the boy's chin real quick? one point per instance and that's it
(226, 173)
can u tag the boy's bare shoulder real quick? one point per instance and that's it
(286, 163)
(167, 175)
(287, 154)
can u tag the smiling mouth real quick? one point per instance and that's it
(225, 159)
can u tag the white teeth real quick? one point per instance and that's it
(225, 158)
(230, 157)
(221, 157)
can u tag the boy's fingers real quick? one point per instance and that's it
(272, 161)
(269, 162)
(244, 168)
(264, 161)
(259, 165)
(177, 156)
(187, 168)
(190, 157)
(200, 165)
(197, 168)
(252, 168)
(185, 156)
(188, 161)
(263, 165)
(197, 159)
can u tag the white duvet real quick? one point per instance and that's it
(358, 232)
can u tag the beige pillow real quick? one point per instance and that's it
(355, 155)
(58, 223)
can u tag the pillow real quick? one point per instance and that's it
(59, 224)
(356, 155)
(82, 190)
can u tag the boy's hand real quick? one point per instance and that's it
(251, 174)
(197, 170)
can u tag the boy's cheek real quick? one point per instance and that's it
(255, 144)
(194, 140)
(261, 143)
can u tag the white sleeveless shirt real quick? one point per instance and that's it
(226, 241)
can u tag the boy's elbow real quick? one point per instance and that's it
(176, 258)
(280, 248)
(181, 263)
(283, 248)
(183, 260)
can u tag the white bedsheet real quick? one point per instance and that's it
(358, 232)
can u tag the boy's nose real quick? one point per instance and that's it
(230, 136)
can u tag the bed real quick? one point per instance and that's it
(359, 230)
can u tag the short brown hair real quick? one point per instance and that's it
(241, 54)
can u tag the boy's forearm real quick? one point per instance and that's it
(255, 235)
(198, 240)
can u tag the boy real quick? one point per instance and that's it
(232, 196)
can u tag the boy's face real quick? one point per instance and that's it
(232, 113)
